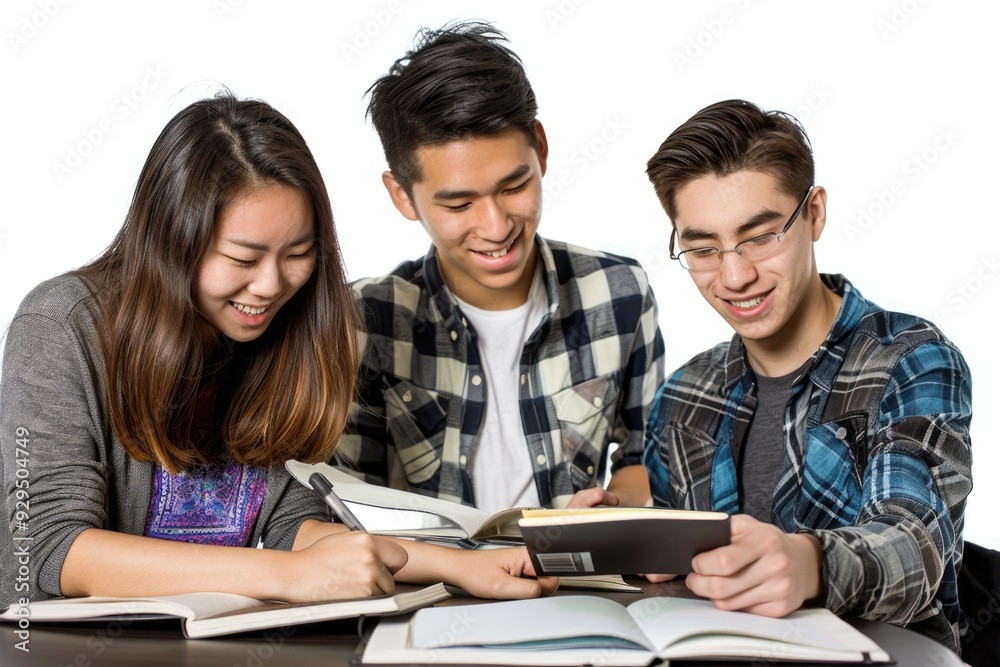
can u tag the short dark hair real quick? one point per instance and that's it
(728, 137)
(457, 82)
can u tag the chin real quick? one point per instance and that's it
(240, 335)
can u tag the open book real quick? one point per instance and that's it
(589, 630)
(213, 614)
(421, 516)
(385, 511)
(620, 540)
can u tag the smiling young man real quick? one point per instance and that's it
(836, 432)
(501, 366)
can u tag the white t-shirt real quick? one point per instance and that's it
(501, 468)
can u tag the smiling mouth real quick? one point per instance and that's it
(496, 253)
(749, 303)
(249, 310)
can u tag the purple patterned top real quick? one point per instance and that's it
(210, 504)
(215, 503)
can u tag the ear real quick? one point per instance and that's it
(400, 199)
(817, 211)
(543, 146)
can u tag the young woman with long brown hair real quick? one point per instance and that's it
(150, 398)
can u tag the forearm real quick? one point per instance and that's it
(312, 530)
(102, 562)
(631, 485)
(429, 563)
(889, 565)
(881, 571)
(330, 563)
(425, 563)
(484, 573)
(906, 539)
(809, 553)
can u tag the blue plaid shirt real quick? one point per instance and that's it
(588, 374)
(876, 465)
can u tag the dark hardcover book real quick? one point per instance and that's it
(618, 540)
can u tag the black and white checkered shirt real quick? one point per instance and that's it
(588, 374)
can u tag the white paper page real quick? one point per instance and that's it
(666, 620)
(387, 520)
(353, 490)
(498, 623)
(389, 645)
(764, 652)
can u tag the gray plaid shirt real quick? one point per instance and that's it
(588, 373)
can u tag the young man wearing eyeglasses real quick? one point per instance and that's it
(835, 432)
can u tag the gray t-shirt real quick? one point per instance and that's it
(761, 455)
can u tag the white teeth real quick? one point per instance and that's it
(496, 253)
(747, 304)
(247, 309)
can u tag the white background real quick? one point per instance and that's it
(898, 96)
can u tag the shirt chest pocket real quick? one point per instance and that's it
(586, 414)
(416, 420)
(835, 454)
(688, 455)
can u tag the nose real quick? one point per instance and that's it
(494, 224)
(267, 280)
(736, 271)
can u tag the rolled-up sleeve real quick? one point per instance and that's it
(907, 543)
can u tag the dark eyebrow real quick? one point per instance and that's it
(761, 218)
(261, 247)
(466, 194)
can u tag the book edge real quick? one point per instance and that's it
(399, 603)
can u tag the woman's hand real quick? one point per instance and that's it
(485, 573)
(342, 565)
(499, 574)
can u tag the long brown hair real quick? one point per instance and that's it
(293, 399)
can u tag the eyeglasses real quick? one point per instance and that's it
(760, 247)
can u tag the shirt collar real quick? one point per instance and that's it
(823, 365)
(445, 304)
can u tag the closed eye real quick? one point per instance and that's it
(763, 239)
(516, 189)
(242, 263)
(307, 254)
(703, 252)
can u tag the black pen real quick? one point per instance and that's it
(322, 486)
